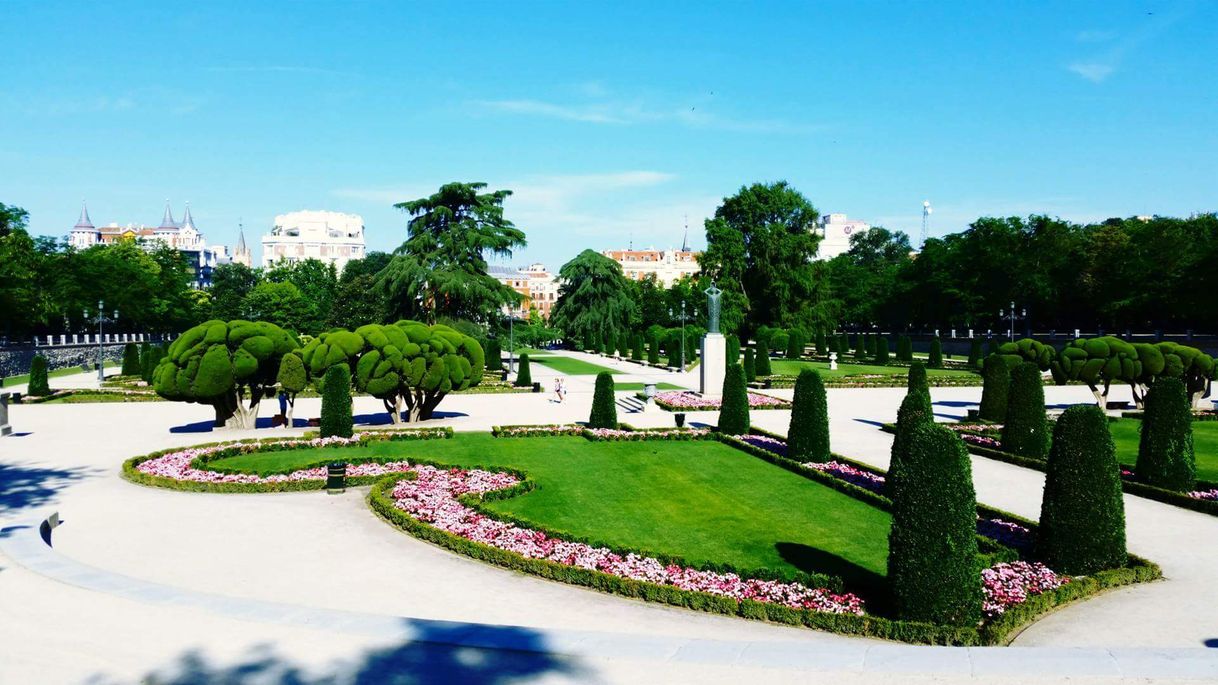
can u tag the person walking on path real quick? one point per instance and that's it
(559, 391)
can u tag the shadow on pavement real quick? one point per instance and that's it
(427, 660)
(32, 486)
(869, 422)
(954, 403)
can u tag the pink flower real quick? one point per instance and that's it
(682, 399)
(1005, 585)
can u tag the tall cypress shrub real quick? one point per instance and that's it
(131, 360)
(917, 378)
(653, 351)
(750, 365)
(636, 351)
(1165, 449)
(932, 545)
(808, 433)
(904, 348)
(494, 355)
(860, 346)
(795, 344)
(935, 358)
(604, 407)
(915, 411)
(523, 378)
(336, 419)
(822, 343)
(1082, 515)
(38, 385)
(974, 354)
(881, 350)
(1025, 431)
(762, 360)
(732, 348)
(734, 411)
(995, 385)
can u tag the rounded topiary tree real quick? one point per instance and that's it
(995, 385)
(604, 406)
(131, 360)
(523, 378)
(230, 365)
(750, 365)
(1082, 515)
(761, 360)
(932, 546)
(881, 350)
(494, 355)
(934, 358)
(293, 378)
(1025, 431)
(808, 433)
(38, 385)
(974, 353)
(336, 418)
(915, 411)
(734, 410)
(1165, 450)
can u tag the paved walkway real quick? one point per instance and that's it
(317, 553)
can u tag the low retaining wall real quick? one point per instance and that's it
(15, 361)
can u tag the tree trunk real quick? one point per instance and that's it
(1139, 395)
(394, 409)
(1100, 397)
(291, 410)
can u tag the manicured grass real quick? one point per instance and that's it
(21, 379)
(571, 366)
(1125, 433)
(639, 386)
(86, 398)
(784, 367)
(700, 500)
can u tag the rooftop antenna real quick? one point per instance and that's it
(685, 240)
(926, 210)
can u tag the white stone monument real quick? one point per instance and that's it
(714, 348)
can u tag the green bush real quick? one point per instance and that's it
(881, 350)
(750, 365)
(336, 419)
(762, 360)
(494, 355)
(932, 547)
(150, 356)
(795, 344)
(1082, 515)
(734, 412)
(1165, 450)
(604, 406)
(1025, 431)
(822, 343)
(860, 347)
(778, 341)
(636, 349)
(904, 348)
(131, 360)
(653, 351)
(808, 434)
(935, 358)
(732, 349)
(915, 411)
(995, 385)
(917, 378)
(974, 353)
(38, 385)
(843, 346)
(523, 378)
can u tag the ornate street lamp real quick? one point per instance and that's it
(1012, 316)
(101, 320)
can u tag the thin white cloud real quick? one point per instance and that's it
(1094, 36)
(1098, 68)
(534, 192)
(596, 114)
(276, 69)
(1094, 72)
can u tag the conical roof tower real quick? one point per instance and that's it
(84, 222)
(167, 221)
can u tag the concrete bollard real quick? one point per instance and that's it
(5, 428)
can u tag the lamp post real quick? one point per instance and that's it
(101, 320)
(1012, 316)
(511, 342)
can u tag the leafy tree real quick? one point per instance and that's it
(12, 219)
(808, 433)
(38, 385)
(932, 547)
(317, 282)
(441, 268)
(230, 283)
(225, 364)
(357, 299)
(280, 304)
(336, 414)
(865, 280)
(604, 406)
(1026, 431)
(524, 379)
(1165, 451)
(734, 410)
(593, 298)
(1082, 515)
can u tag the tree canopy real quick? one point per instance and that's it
(593, 298)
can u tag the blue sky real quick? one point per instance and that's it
(611, 121)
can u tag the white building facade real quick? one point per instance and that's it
(835, 231)
(535, 282)
(668, 266)
(330, 237)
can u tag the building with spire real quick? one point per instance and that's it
(182, 235)
(241, 253)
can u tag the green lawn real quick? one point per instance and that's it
(1205, 444)
(783, 367)
(639, 386)
(700, 500)
(67, 371)
(571, 366)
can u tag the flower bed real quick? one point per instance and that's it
(537, 431)
(618, 434)
(850, 474)
(683, 400)
(1007, 585)
(873, 380)
(1211, 495)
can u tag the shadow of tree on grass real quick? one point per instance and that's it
(869, 585)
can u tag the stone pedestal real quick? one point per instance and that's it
(714, 364)
(5, 429)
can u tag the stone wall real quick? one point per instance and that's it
(16, 360)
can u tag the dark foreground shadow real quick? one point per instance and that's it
(869, 422)
(869, 585)
(382, 418)
(954, 403)
(423, 661)
(1212, 643)
(32, 486)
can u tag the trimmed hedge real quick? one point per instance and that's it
(915, 412)
(1165, 449)
(808, 434)
(762, 359)
(996, 384)
(974, 353)
(734, 410)
(932, 548)
(636, 348)
(917, 378)
(604, 407)
(750, 365)
(935, 358)
(494, 355)
(131, 360)
(336, 418)
(732, 349)
(1025, 431)
(1082, 516)
(904, 349)
(523, 377)
(881, 350)
(38, 384)
(795, 344)
(653, 350)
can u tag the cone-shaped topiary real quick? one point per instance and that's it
(795, 344)
(131, 360)
(761, 360)
(1025, 431)
(731, 345)
(860, 346)
(38, 385)
(881, 350)
(822, 343)
(843, 346)
(523, 378)
(336, 419)
(1165, 451)
(604, 406)
(750, 365)
(932, 546)
(1082, 515)
(934, 358)
(974, 354)
(653, 351)
(734, 411)
(636, 347)
(996, 384)
(494, 355)
(915, 411)
(917, 378)
(904, 348)
(808, 433)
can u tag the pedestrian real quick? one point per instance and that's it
(559, 391)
